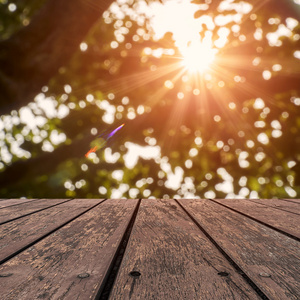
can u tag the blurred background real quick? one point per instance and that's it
(208, 92)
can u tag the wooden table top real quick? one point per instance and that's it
(149, 249)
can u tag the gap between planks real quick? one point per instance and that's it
(31, 212)
(156, 279)
(259, 292)
(28, 245)
(290, 235)
(253, 246)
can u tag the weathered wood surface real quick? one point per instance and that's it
(13, 212)
(292, 200)
(10, 202)
(189, 263)
(282, 220)
(182, 249)
(257, 249)
(50, 268)
(280, 204)
(20, 233)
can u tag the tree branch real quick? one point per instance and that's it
(34, 54)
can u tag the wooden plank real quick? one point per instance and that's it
(292, 200)
(269, 258)
(19, 233)
(175, 259)
(281, 220)
(292, 207)
(10, 202)
(16, 211)
(50, 268)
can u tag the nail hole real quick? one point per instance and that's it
(264, 274)
(135, 273)
(83, 275)
(6, 274)
(223, 274)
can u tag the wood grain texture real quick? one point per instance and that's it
(50, 268)
(16, 211)
(291, 200)
(10, 202)
(257, 249)
(279, 204)
(19, 233)
(175, 259)
(282, 220)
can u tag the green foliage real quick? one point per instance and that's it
(219, 138)
(16, 14)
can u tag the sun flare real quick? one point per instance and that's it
(198, 56)
(197, 51)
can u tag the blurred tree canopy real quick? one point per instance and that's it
(73, 70)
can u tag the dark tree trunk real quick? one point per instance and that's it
(33, 55)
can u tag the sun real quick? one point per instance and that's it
(198, 56)
(197, 51)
